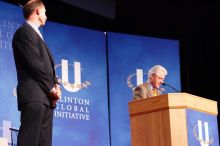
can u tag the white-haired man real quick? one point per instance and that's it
(156, 76)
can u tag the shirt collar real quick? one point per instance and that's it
(35, 27)
(150, 85)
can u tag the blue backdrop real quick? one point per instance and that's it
(127, 53)
(81, 117)
(88, 100)
(10, 19)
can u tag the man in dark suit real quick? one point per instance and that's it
(156, 76)
(37, 89)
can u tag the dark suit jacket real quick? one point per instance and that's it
(144, 91)
(34, 65)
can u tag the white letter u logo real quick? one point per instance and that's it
(206, 132)
(77, 76)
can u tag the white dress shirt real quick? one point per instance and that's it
(35, 27)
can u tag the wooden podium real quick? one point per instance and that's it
(162, 120)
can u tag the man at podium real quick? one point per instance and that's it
(156, 76)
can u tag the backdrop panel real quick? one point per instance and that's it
(126, 54)
(81, 117)
(10, 19)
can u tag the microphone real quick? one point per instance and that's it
(165, 84)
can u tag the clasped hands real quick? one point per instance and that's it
(55, 94)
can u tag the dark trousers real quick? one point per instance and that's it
(36, 125)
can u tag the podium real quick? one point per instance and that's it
(174, 119)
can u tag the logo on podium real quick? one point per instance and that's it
(198, 132)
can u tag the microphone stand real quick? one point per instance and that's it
(170, 87)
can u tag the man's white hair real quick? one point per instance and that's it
(158, 70)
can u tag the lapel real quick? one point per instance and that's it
(42, 41)
(149, 90)
(48, 51)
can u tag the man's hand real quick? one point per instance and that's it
(58, 90)
(55, 94)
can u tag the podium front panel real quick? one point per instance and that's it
(202, 128)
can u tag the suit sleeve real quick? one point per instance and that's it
(33, 59)
(138, 93)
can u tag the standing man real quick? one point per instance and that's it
(37, 89)
(156, 76)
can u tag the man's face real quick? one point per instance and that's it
(42, 15)
(157, 80)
